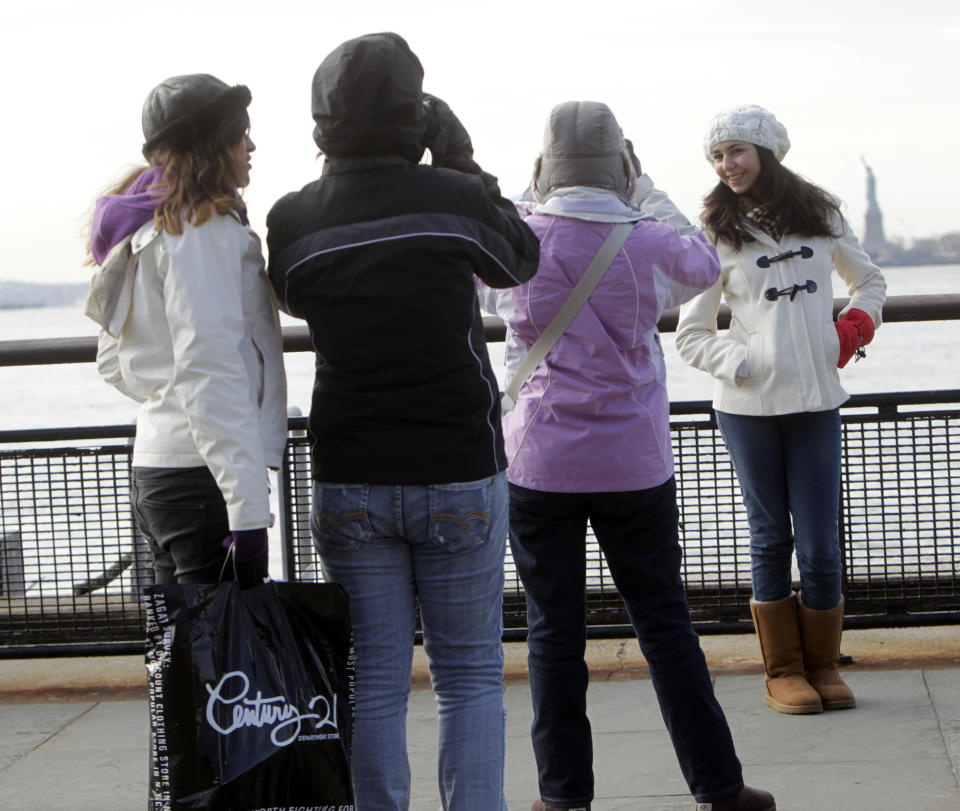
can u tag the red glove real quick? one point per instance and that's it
(855, 330)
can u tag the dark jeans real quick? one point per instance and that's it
(183, 518)
(637, 532)
(789, 472)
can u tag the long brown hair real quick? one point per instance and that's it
(197, 181)
(793, 204)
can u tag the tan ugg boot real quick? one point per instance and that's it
(820, 633)
(779, 634)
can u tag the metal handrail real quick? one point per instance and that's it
(899, 522)
(83, 349)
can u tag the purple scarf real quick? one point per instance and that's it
(116, 216)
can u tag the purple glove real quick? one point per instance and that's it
(248, 544)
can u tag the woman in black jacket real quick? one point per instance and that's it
(379, 256)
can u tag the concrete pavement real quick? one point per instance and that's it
(73, 733)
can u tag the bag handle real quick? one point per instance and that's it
(231, 556)
(564, 317)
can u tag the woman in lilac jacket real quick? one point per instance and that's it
(589, 440)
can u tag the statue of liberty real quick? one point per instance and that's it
(871, 187)
(874, 240)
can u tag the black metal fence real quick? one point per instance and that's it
(899, 519)
(72, 565)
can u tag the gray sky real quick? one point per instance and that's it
(846, 78)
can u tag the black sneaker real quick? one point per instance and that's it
(749, 799)
(540, 805)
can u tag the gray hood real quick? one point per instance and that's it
(583, 146)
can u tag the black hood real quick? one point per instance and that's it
(368, 99)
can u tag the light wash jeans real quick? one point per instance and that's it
(789, 472)
(441, 547)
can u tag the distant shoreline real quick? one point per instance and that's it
(36, 305)
(15, 295)
(919, 263)
(18, 295)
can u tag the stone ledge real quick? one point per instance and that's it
(121, 677)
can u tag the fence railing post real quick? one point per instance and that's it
(12, 580)
(293, 522)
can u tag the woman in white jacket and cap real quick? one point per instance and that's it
(777, 396)
(191, 331)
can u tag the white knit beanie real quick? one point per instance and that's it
(749, 123)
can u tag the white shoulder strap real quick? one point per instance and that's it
(574, 303)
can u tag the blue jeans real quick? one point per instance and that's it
(637, 532)
(183, 518)
(789, 472)
(440, 547)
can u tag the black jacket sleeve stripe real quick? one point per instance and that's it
(499, 260)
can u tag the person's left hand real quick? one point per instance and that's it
(248, 544)
(855, 330)
(446, 138)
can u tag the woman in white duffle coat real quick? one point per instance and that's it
(778, 391)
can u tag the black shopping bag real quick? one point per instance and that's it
(251, 697)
